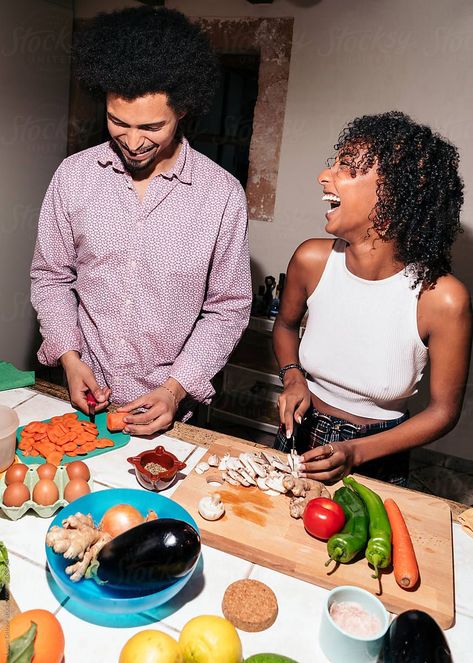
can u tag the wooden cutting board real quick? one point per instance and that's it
(258, 527)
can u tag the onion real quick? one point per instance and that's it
(120, 518)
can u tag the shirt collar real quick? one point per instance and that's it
(182, 168)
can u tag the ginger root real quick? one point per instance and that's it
(78, 570)
(299, 487)
(78, 538)
(303, 490)
(297, 506)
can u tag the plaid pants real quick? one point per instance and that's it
(317, 429)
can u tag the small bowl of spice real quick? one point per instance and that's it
(353, 625)
(156, 469)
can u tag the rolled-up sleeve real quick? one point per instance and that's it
(53, 276)
(226, 309)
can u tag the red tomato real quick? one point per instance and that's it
(323, 518)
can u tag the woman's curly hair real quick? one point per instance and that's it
(144, 50)
(420, 192)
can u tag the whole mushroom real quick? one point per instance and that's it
(211, 507)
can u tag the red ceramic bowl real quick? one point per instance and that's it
(162, 457)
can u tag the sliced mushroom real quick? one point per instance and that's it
(200, 468)
(213, 460)
(282, 467)
(261, 483)
(247, 476)
(258, 468)
(238, 477)
(223, 462)
(247, 465)
(226, 477)
(276, 483)
(234, 463)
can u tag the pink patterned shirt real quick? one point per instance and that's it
(143, 290)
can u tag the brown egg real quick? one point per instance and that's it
(47, 471)
(16, 494)
(78, 470)
(45, 492)
(76, 488)
(15, 473)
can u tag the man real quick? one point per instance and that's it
(140, 275)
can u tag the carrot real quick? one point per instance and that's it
(63, 434)
(115, 421)
(406, 569)
(54, 458)
(104, 442)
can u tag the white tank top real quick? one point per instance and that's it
(361, 346)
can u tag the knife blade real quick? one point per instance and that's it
(92, 403)
(293, 451)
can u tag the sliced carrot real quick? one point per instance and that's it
(54, 458)
(104, 442)
(406, 569)
(90, 446)
(70, 446)
(33, 452)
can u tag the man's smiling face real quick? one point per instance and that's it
(142, 129)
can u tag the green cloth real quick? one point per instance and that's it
(12, 378)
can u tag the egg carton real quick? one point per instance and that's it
(31, 479)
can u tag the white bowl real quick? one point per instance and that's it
(9, 423)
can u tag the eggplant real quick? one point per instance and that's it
(148, 557)
(414, 637)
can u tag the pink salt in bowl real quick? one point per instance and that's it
(156, 469)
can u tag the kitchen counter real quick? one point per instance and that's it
(295, 632)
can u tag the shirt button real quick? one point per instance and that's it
(128, 302)
(122, 341)
(132, 263)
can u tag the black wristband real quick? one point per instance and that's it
(282, 371)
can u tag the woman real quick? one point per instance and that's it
(381, 301)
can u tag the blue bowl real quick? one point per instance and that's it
(98, 597)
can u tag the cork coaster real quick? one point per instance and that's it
(250, 605)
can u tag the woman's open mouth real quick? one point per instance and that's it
(333, 200)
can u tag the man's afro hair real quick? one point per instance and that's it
(139, 51)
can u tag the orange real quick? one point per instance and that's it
(49, 642)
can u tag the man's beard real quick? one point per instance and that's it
(134, 166)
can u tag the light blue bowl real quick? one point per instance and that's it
(340, 646)
(98, 597)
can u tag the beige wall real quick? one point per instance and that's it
(352, 57)
(35, 38)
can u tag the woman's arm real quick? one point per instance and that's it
(303, 274)
(445, 315)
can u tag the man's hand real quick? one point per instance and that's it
(329, 462)
(161, 406)
(80, 380)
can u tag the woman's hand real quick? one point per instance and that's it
(294, 401)
(161, 406)
(329, 462)
(80, 380)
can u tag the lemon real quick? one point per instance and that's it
(151, 646)
(210, 639)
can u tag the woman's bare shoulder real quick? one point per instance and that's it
(448, 297)
(313, 252)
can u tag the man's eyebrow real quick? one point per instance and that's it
(140, 126)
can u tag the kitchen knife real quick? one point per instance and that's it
(91, 402)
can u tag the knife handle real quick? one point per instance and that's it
(90, 398)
